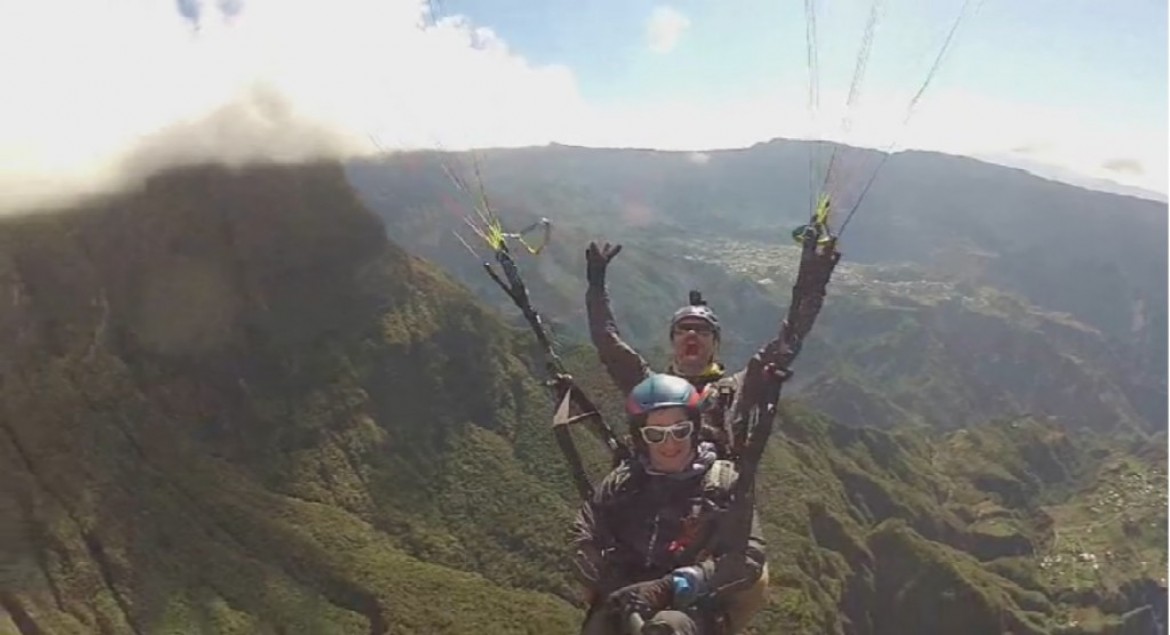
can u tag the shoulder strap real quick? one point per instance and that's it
(718, 405)
(727, 388)
(720, 478)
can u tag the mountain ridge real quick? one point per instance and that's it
(233, 405)
(688, 226)
(1037, 169)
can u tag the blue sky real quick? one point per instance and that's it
(1078, 86)
(1110, 57)
(1100, 66)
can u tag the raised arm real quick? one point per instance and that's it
(625, 366)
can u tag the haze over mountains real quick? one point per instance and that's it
(1085, 271)
(232, 402)
(1064, 175)
(251, 383)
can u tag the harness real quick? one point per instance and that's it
(747, 432)
(694, 539)
(717, 403)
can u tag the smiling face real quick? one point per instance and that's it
(694, 344)
(662, 432)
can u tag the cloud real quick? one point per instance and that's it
(664, 28)
(163, 84)
(1132, 166)
(1064, 137)
(950, 121)
(259, 125)
(256, 80)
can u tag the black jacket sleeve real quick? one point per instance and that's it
(732, 567)
(593, 538)
(626, 367)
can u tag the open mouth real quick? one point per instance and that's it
(691, 348)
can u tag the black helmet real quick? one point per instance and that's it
(697, 308)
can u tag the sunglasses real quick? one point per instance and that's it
(658, 434)
(701, 328)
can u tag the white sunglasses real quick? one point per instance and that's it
(658, 434)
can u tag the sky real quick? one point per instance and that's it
(106, 92)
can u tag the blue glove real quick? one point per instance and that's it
(689, 584)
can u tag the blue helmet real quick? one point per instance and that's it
(659, 391)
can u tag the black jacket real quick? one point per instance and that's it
(640, 526)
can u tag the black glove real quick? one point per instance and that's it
(643, 598)
(596, 260)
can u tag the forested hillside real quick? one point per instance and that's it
(232, 405)
(995, 292)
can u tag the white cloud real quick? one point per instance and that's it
(1077, 140)
(664, 28)
(103, 92)
(954, 122)
(292, 79)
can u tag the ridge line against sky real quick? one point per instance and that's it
(1077, 87)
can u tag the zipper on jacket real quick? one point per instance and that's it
(653, 540)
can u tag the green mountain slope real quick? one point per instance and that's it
(231, 405)
(871, 530)
(1100, 257)
(968, 330)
